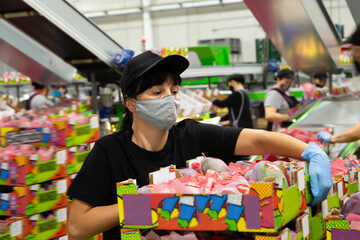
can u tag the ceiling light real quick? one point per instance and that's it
(124, 11)
(231, 1)
(201, 3)
(95, 14)
(164, 7)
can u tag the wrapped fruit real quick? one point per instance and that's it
(214, 164)
(266, 169)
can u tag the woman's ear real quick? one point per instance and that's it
(131, 105)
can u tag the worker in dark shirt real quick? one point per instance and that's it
(150, 140)
(238, 103)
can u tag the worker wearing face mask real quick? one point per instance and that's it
(59, 93)
(149, 140)
(320, 80)
(279, 100)
(238, 103)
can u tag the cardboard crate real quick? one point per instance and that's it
(30, 169)
(339, 229)
(62, 133)
(83, 134)
(47, 225)
(12, 228)
(29, 200)
(265, 209)
(76, 159)
(317, 223)
(39, 137)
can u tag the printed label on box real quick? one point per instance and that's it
(46, 166)
(92, 145)
(284, 236)
(305, 225)
(47, 196)
(94, 122)
(61, 186)
(46, 130)
(34, 157)
(61, 215)
(4, 166)
(340, 189)
(64, 237)
(61, 156)
(325, 208)
(5, 196)
(352, 174)
(346, 178)
(301, 179)
(163, 175)
(34, 217)
(16, 228)
(34, 187)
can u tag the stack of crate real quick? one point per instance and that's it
(33, 189)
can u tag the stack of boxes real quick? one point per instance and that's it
(266, 211)
(33, 189)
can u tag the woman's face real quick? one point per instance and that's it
(160, 91)
(285, 83)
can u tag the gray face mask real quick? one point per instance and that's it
(160, 112)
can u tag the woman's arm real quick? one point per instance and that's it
(262, 142)
(350, 135)
(85, 221)
(256, 142)
(234, 98)
(272, 116)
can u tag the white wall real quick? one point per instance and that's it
(178, 28)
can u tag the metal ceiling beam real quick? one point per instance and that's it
(78, 27)
(354, 7)
(302, 32)
(26, 55)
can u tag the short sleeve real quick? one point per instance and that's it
(92, 184)
(273, 99)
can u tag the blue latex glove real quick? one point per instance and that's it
(319, 171)
(324, 136)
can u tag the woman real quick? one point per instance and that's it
(238, 103)
(149, 140)
(278, 100)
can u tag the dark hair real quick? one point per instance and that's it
(236, 77)
(152, 78)
(285, 73)
(38, 86)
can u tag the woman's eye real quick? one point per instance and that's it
(175, 91)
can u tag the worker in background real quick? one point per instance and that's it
(38, 98)
(59, 93)
(279, 100)
(238, 103)
(353, 133)
(149, 139)
(320, 79)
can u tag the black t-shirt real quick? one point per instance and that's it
(116, 158)
(234, 102)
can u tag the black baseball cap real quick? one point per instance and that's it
(285, 73)
(321, 75)
(144, 62)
